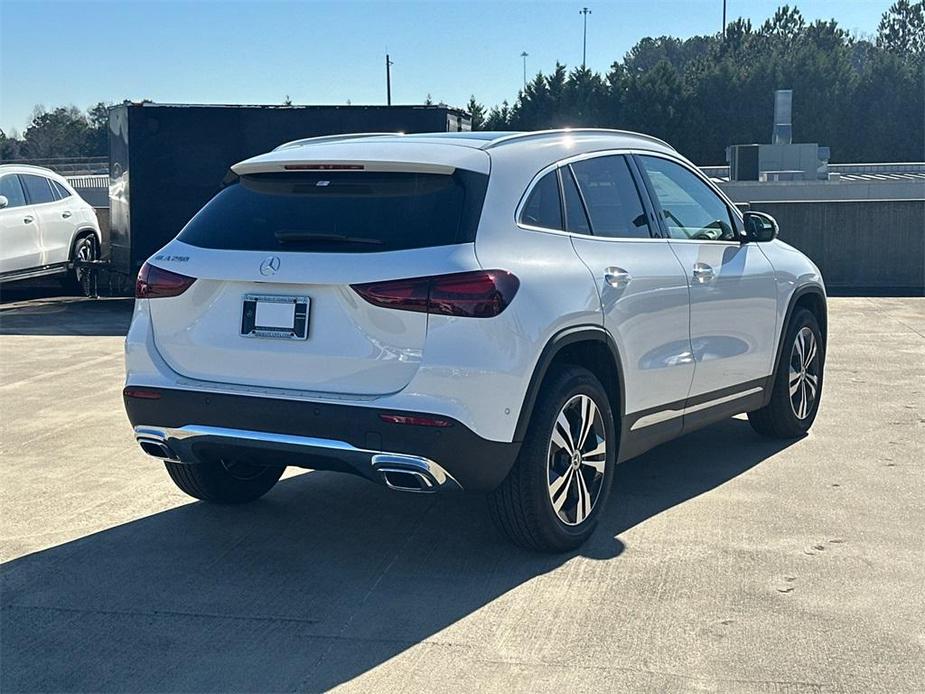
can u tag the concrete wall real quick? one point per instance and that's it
(869, 246)
(891, 189)
(94, 189)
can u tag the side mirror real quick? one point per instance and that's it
(3, 201)
(760, 227)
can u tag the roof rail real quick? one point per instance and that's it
(36, 167)
(329, 138)
(539, 134)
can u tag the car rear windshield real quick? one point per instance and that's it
(340, 212)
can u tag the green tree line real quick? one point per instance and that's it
(863, 98)
(62, 132)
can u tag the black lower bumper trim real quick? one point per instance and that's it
(476, 463)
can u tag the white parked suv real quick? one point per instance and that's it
(44, 227)
(511, 313)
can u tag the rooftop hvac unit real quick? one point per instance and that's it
(743, 162)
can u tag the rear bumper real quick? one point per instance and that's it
(197, 427)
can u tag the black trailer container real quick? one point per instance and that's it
(167, 160)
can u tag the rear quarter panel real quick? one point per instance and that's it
(498, 356)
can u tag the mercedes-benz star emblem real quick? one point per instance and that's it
(269, 266)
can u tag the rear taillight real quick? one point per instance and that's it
(479, 294)
(154, 282)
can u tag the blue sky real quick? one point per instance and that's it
(75, 52)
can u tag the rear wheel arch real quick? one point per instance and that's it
(588, 346)
(83, 233)
(74, 280)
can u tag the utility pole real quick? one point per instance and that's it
(724, 20)
(584, 43)
(524, 56)
(388, 80)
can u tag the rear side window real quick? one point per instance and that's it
(611, 197)
(12, 189)
(60, 191)
(543, 208)
(341, 212)
(38, 189)
(576, 220)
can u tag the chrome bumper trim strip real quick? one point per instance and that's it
(183, 441)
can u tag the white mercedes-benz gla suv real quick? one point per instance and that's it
(511, 313)
(45, 226)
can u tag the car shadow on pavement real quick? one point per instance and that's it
(324, 579)
(45, 310)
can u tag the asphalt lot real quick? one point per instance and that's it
(726, 562)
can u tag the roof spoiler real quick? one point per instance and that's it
(321, 139)
(315, 165)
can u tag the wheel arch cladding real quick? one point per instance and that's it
(591, 347)
(86, 232)
(812, 298)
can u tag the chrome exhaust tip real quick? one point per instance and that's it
(408, 473)
(157, 449)
(407, 480)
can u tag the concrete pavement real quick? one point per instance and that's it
(725, 562)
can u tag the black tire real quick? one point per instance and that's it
(522, 507)
(220, 483)
(780, 418)
(80, 281)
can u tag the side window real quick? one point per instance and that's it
(543, 208)
(576, 220)
(690, 208)
(38, 189)
(12, 189)
(612, 198)
(60, 191)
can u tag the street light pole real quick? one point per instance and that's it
(584, 42)
(388, 80)
(724, 20)
(524, 56)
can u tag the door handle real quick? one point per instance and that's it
(617, 277)
(28, 219)
(703, 273)
(66, 214)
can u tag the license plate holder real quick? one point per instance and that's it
(279, 316)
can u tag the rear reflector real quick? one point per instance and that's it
(416, 420)
(141, 393)
(479, 294)
(324, 167)
(154, 282)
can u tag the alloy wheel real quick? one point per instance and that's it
(85, 251)
(576, 460)
(804, 373)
